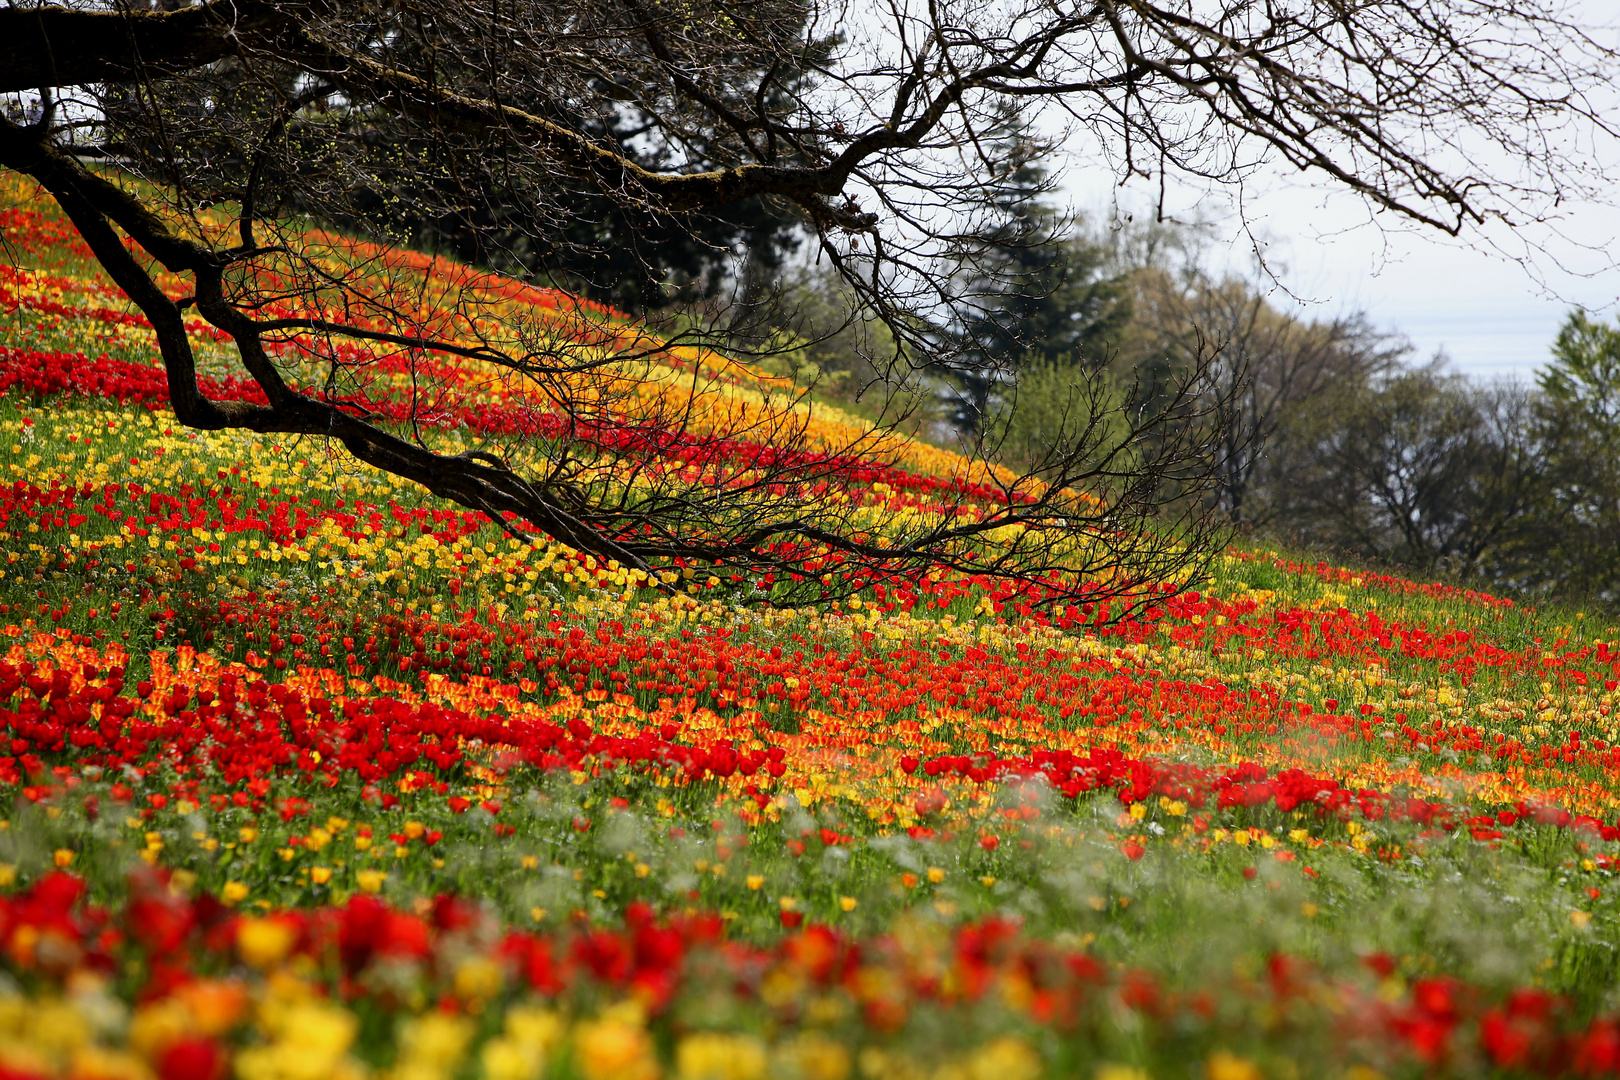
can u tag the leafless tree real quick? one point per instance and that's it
(1271, 364)
(865, 122)
(1424, 469)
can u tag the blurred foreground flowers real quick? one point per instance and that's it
(173, 987)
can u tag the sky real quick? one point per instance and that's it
(1494, 312)
(1494, 316)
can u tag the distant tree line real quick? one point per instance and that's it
(1333, 437)
(1512, 485)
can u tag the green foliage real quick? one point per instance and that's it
(1578, 417)
(1585, 372)
(1513, 488)
(1056, 402)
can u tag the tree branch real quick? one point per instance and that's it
(58, 46)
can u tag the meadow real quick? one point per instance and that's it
(306, 774)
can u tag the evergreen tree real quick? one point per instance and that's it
(1039, 290)
(1580, 431)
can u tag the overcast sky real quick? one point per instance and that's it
(1491, 315)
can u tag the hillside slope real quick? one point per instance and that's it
(263, 708)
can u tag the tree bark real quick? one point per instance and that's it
(57, 46)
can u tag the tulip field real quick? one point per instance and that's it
(306, 774)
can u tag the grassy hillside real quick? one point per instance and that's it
(306, 774)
